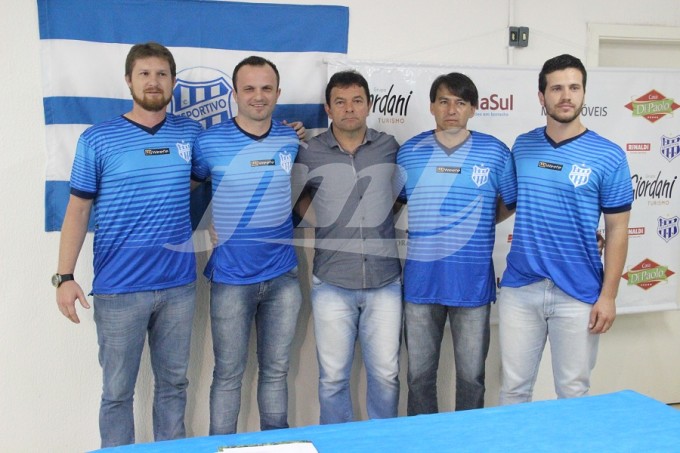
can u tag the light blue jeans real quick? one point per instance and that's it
(528, 316)
(424, 330)
(123, 321)
(374, 316)
(274, 305)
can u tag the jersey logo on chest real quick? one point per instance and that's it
(156, 151)
(480, 175)
(452, 170)
(184, 150)
(579, 175)
(550, 166)
(286, 161)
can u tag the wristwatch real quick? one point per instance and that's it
(58, 279)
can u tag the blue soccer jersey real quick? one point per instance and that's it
(251, 202)
(562, 190)
(452, 196)
(139, 180)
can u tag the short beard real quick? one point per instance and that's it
(566, 120)
(151, 106)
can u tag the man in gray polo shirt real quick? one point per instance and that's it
(347, 173)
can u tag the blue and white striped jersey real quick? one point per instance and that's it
(562, 190)
(251, 201)
(452, 200)
(139, 180)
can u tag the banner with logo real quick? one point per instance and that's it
(635, 108)
(84, 45)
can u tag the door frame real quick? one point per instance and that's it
(632, 33)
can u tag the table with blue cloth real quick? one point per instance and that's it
(624, 421)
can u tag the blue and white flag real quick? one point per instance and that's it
(84, 45)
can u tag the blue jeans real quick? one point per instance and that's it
(424, 330)
(528, 316)
(274, 305)
(375, 317)
(123, 321)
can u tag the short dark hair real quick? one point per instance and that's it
(344, 79)
(148, 50)
(254, 60)
(560, 63)
(458, 84)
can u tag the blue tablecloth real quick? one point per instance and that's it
(625, 421)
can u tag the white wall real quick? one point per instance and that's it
(49, 374)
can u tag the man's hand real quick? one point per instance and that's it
(604, 311)
(73, 231)
(602, 315)
(298, 127)
(212, 232)
(67, 294)
(601, 242)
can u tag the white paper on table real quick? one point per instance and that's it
(302, 446)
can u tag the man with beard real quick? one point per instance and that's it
(135, 171)
(555, 285)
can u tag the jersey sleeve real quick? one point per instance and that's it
(508, 183)
(400, 176)
(617, 192)
(200, 171)
(84, 174)
(298, 176)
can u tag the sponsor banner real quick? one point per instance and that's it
(83, 50)
(652, 106)
(635, 108)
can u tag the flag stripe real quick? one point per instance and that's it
(77, 110)
(198, 23)
(60, 142)
(56, 199)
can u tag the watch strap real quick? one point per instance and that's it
(58, 279)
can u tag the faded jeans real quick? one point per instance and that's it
(528, 316)
(123, 321)
(374, 317)
(274, 305)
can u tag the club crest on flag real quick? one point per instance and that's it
(670, 147)
(667, 229)
(480, 175)
(579, 175)
(184, 151)
(204, 95)
(286, 161)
